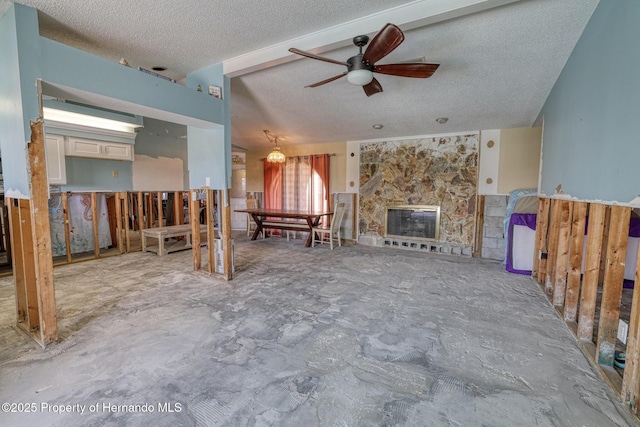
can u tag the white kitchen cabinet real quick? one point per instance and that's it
(54, 150)
(92, 148)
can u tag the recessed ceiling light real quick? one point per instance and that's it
(442, 120)
(378, 126)
(159, 68)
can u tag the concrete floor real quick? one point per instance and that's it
(358, 336)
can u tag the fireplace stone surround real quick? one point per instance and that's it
(440, 171)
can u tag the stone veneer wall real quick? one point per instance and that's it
(430, 171)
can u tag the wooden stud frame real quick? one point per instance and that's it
(210, 222)
(631, 381)
(552, 245)
(127, 232)
(65, 215)
(562, 254)
(94, 224)
(119, 222)
(140, 221)
(612, 286)
(177, 208)
(479, 226)
(19, 268)
(541, 247)
(589, 292)
(575, 261)
(160, 211)
(32, 256)
(225, 210)
(194, 220)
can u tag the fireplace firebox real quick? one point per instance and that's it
(413, 222)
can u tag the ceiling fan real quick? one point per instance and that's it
(360, 68)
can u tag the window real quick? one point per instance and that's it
(301, 183)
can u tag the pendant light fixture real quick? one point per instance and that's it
(275, 156)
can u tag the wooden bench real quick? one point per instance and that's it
(286, 225)
(162, 233)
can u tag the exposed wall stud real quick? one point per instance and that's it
(575, 261)
(612, 286)
(589, 292)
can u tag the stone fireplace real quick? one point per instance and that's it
(436, 171)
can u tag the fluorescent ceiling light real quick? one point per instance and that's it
(85, 120)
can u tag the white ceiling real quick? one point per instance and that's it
(499, 58)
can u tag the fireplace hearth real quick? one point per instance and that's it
(413, 221)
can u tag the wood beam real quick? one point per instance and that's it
(605, 237)
(612, 285)
(41, 231)
(589, 292)
(65, 219)
(562, 256)
(127, 235)
(94, 223)
(150, 210)
(630, 391)
(7, 232)
(13, 206)
(194, 220)
(542, 227)
(29, 267)
(354, 216)
(552, 245)
(479, 226)
(140, 213)
(575, 261)
(177, 208)
(227, 249)
(119, 222)
(160, 211)
(211, 243)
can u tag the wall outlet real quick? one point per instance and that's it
(623, 331)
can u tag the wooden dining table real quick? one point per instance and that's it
(285, 219)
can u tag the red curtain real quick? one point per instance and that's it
(272, 185)
(301, 183)
(320, 182)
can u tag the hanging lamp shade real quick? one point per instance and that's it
(275, 156)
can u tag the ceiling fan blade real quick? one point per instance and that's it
(329, 80)
(372, 88)
(389, 38)
(319, 58)
(407, 69)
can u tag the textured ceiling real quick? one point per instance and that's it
(497, 65)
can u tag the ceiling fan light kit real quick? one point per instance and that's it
(360, 77)
(360, 68)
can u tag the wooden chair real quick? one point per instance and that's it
(333, 229)
(251, 224)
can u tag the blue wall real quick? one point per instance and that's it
(210, 149)
(163, 139)
(27, 57)
(14, 132)
(97, 175)
(591, 134)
